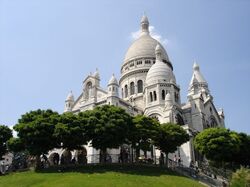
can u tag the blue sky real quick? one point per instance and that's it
(47, 47)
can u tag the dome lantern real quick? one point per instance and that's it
(158, 52)
(144, 25)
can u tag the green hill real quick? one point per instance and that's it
(103, 176)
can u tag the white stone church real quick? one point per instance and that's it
(148, 86)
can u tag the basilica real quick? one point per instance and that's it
(148, 86)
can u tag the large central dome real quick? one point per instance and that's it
(139, 58)
(144, 46)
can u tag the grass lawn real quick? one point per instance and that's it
(103, 176)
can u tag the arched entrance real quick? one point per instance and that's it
(54, 159)
(81, 156)
(66, 157)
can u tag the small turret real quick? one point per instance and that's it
(69, 102)
(198, 84)
(113, 86)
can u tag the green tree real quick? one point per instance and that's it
(217, 144)
(36, 129)
(142, 133)
(242, 157)
(5, 135)
(107, 127)
(169, 137)
(16, 145)
(70, 131)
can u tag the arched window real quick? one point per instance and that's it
(126, 90)
(132, 88)
(213, 122)
(151, 97)
(211, 111)
(155, 96)
(122, 93)
(179, 119)
(88, 90)
(139, 86)
(163, 94)
(155, 116)
(176, 97)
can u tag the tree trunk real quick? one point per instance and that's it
(137, 153)
(103, 155)
(132, 156)
(166, 154)
(38, 162)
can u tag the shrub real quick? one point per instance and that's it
(241, 178)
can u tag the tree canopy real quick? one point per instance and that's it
(143, 132)
(108, 126)
(242, 157)
(217, 144)
(35, 129)
(16, 145)
(169, 137)
(70, 132)
(5, 135)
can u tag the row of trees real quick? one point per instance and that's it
(106, 127)
(223, 146)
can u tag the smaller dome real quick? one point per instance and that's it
(159, 71)
(70, 97)
(113, 80)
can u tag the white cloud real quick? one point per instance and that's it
(153, 33)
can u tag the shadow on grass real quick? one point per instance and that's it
(146, 170)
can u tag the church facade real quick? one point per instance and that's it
(148, 86)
